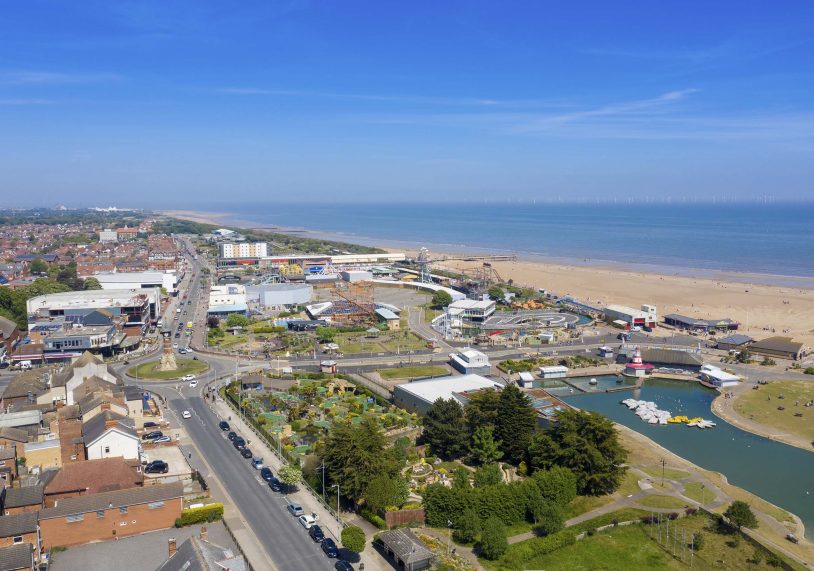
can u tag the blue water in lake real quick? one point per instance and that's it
(782, 474)
(765, 239)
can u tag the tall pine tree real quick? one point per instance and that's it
(445, 429)
(515, 423)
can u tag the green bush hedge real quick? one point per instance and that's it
(518, 554)
(207, 513)
(375, 519)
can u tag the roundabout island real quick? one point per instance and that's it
(151, 370)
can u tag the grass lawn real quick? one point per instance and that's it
(412, 372)
(755, 406)
(669, 473)
(693, 491)
(150, 370)
(584, 504)
(667, 502)
(630, 485)
(354, 343)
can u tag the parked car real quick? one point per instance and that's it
(307, 520)
(295, 509)
(162, 439)
(186, 414)
(232, 435)
(151, 424)
(175, 345)
(275, 485)
(239, 443)
(342, 565)
(246, 453)
(257, 463)
(329, 547)
(152, 435)
(793, 538)
(223, 425)
(316, 533)
(157, 467)
(266, 473)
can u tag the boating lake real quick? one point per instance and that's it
(781, 474)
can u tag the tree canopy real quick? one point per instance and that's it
(445, 429)
(493, 542)
(515, 424)
(557, 484)
(484, 448)
(353, 538)
(481, 410)
(384, 491)
(441, 299)
(740, 515)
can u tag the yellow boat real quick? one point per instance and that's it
(678, 419)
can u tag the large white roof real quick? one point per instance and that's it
(444, 387)
(472, 304)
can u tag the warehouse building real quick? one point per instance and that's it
(470, 361)
(138, 280)
(692, 324)
(629, 317)
(279, 297)
(138, 306)
(736, 342)
(418, 396)
(782, 347)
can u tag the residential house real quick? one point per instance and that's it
(109, 434)
(43, 455)
(110, 515)
(198, 554)
(9, 335)
(782, 347)
(92, 477)
(26, 499)
(11, 437)
(79, 371)
(8, 465)
(19, 529)
(17, 558)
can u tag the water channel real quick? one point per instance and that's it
(781, 474)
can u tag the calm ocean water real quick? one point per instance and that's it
(773, 239)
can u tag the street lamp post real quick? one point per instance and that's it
(662, 472)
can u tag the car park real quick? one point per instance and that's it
(257, 463)
(295, 509)
(306, 520)
(152, 435)
(223, 425)
(316, 533)
(266, 473)
(232, 435)
(329, 547)
(157, 467)
(186, 414)
(246, 453)
(162, 439)
(275, 485)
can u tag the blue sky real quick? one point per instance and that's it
(181, 103)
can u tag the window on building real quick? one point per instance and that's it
(155, 505)
(107, 449)
(75, 518)
(100, 513)
(123, 510)
(18, 539)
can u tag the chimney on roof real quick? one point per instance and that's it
(111, 422)
(204, 533)
(105, 406)
(172, 547)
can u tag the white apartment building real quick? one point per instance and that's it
(231, 250)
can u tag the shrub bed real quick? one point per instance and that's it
(207, 513)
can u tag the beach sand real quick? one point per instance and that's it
(763, 310)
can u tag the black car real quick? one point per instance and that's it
(275, 485)
(150, 425)
(316, 533)
(223, 425)
(177, 335)
(342, 565)
(152, 435)
(239, 443)
(157, 467)
(329, 547)
(232, 435)
(246, 453)
(266, 474)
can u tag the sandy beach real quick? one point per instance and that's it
(763, 310)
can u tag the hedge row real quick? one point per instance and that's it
(207, 513)
(375, 519)
(518, 554)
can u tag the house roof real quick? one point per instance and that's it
(11, 433)
(96, 427)
(18, 524)
(94, 476)
(16, 557)
(109, 500)
(7, 327)
(25, 496)
(736, 339)
(196, 554)
(784, 344)
(32, 381)
(407, 547)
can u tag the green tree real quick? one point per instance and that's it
(441, 299)
(92, 283)
(237, 320)
(481, 410)
(484, 448)
(355, 454)
(557, 484)
(548, 517)
(326, 334)
(698, 541)
(290, 475)
(468, 526)
(445, 429)
(384, 491)
(461, 477)
(488, 475)
(38, 266)
(493, 542)
(353, 539)
(587, 444)
(495, 293)
(740, 515)
(515, 423)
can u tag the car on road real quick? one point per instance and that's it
(232, 435)
(246, 453)
(275, 485)
(329, 547)
(295, 509)
(188, 378)
(316, 533)
(257, 463)
(266, 473)
(307, 520)
(193, 383)
(152, 435)
(186, 414)
(223, 425)
(175, 345)
(177, 335)
(342, 565)
(157, 467)
(162, 439)
(182, 351)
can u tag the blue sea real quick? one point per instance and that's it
(700, 239)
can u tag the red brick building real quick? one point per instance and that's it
(92, 477)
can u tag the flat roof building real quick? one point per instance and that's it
(782, 347)
(139, 306)
(418, 396)
(644, 317)
(138, 280)
(470, 361)
(693, 324)
(738, 342)
(279, 296)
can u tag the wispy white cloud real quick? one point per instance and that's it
(54, 78)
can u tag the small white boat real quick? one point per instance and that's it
(593, 382)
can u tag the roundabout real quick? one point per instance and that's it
(150, 370)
